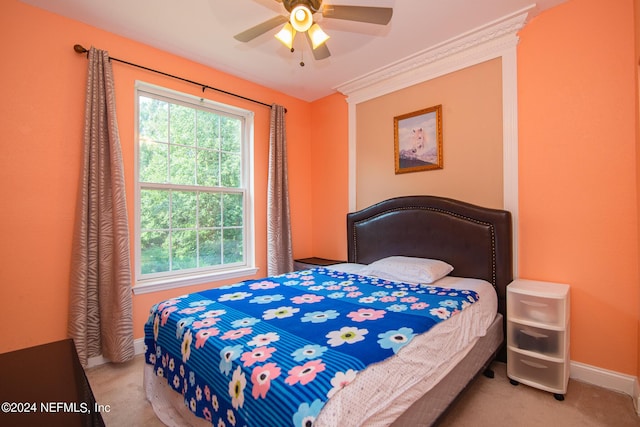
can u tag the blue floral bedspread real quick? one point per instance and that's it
(270, 352)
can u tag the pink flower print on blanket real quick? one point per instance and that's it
(306, 373)
(261, 379)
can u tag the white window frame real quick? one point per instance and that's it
(170, 280)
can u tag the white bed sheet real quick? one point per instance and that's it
(383, 391)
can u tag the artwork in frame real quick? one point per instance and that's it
(418, 140)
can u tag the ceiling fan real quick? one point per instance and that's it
(301, 20)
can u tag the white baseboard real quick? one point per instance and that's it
(92, 362)
(605, 378)
(138, 348)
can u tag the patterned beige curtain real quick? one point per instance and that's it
(100, 306)
(279, 250)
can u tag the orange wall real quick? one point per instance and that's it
(636, 15)
(578, 189)
(329, 166)
(42, 82)
(471, 101)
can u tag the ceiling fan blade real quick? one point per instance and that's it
(321, 52)
(369, 14)
(260, 29)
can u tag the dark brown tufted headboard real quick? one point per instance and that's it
(477, 241)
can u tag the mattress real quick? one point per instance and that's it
(383, 391)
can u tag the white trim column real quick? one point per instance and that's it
(510, 145)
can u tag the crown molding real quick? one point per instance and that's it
(473, 47)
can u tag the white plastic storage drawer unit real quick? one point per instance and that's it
(538, 335)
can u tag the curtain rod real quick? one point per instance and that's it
(80, 49)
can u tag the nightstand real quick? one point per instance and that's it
(307, 263)
(538, 335)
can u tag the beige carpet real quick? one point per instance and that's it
(486, 402)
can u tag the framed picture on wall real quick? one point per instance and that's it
(418, 140)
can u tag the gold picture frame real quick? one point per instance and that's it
(418, 140)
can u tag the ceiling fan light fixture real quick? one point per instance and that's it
(317, 36)
(286, 35)
(301, 18)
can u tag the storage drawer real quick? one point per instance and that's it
(539, 340)
(538, 372)
(549, 311)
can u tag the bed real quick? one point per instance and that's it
(411, 384)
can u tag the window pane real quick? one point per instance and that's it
(154, 209)
(210, 210)
(191, 184)
(153, 161)
(230, 170)
(154, 119)
(183, 165)
(154, 251)
(231, 134)
(185, 253)
(183, 125)
(183, 209)
(210, 248)
(233, 209)
(208, 130)
(233, 245)
(208, 168)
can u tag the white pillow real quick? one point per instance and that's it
(408, 269)
(347, 267)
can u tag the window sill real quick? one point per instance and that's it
(157, 285)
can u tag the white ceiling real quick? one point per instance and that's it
(203, 30)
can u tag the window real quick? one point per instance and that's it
(193, 204)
